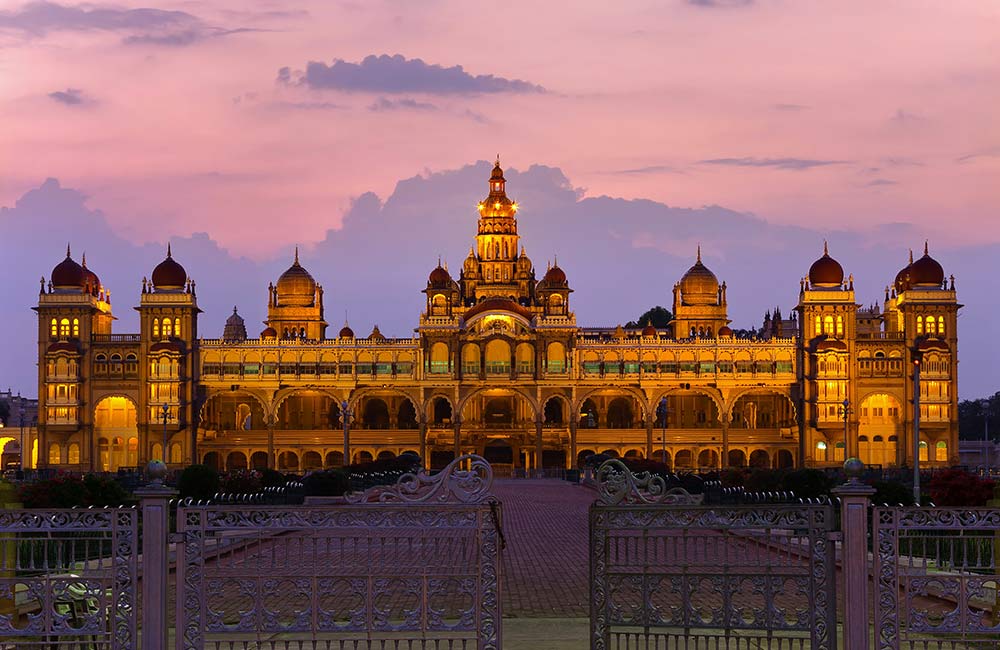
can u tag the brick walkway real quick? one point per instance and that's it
(545, 564)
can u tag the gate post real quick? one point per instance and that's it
(155, 499)
(854, 554)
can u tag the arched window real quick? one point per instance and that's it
(168, 328)
(941, 451)
(819, 325)
(828, 325)
(920, 325)
(821, 450)
(931, 325)
(74, 454)
(156, 328)
(55, 328)
(54, 454)
(923, 451)
(64, 328)
(940, 327)
(840, 325)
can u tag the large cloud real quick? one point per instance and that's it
(621, 256)
(397, 74)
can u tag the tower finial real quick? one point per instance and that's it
(234, 309)
(825, 249)
(911, 256)
(925, 248)
(699, 253)
(67, 250)
(168, 250)
(439, 260)
(296, 255)
(345, 318)
(498, 159)
(84, 261)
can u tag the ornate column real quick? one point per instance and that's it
(854, 497)
(155, 500)
(724, 421)
(538, 448)
(272, 462)
(345, 418)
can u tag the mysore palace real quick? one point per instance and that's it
(499, 367)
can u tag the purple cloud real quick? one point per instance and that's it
(70, 97)
(384, 104)
(720, 4)
(397, 74)
(778, 163)
(881, 181)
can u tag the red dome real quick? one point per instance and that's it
(169, 275)
(90, 280)
(346, 332)
(439, 277)
(826, 272)
(555, 276)
(269, 333)
(903, 278)
(725, 330)
(649, 330)
(67, 274)
(926, 272)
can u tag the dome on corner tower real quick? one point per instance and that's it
(699, 286)
(67, 274)
(168, 274)
(439, 277)
(826, 272)
(926, 272)
(296, 287)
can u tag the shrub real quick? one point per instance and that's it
(763, 480)
(198, 482)
(806, 483)
(733, 477)
(955, 487)
(241, 481)
(65, 491)
(892, 493)
(327, 483)
(271, 478)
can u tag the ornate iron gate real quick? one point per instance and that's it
(412, 566)
(68, 579)
(937, 579)
(668, 573)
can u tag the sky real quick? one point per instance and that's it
(359, 130)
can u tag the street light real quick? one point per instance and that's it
(166, 414)
(663, 423)
(846, 413)
(916, 427)
(20, 458)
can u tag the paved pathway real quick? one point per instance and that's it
(545, 564)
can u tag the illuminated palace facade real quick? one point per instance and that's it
(499, 367)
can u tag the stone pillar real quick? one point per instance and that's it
(272, 462)
(539, 471)
(649, 438)
(458, 438)
(345, 418)
(854, 554)
(155, 499)
(572, 442)
(724, 461)
(423, 442)
(8, 544)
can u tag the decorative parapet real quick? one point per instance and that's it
(617, 485)
(452, 485)
(306, 344)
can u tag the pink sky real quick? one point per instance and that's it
(899, 100)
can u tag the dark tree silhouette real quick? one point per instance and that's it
(659, 316)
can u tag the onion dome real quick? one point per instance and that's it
(269, 333)
(91, 283)
(296, 286)
(376, 335)
(523, 262)
(926, 272)
(439, 278)
(699, 286)
(471, 265)
(497, 174)
(932, 344)
(346, 332)
(826, 272)
(725, 331)
(67, 274)
(649, 331)
(169, 275)
(63, 346)
(555, 276)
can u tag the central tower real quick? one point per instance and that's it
(497, 242)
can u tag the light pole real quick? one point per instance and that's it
(846, 407)
(663, 424)
(166, 414)
(345, 418)
(916, 428)
(20, 458)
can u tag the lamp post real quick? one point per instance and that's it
(846, 412)
(916, 428)
(345, 418)
(165, 409)
(20, 458)
(663, 424)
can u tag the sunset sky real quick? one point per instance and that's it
(264, 123)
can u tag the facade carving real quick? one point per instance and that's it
(498, 367)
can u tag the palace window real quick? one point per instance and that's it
(940, 328)
(920, 325)
(828, 325)
(55, 328)
(819, 325)
(840, 325)
(64, 328)
(156, 328)
(931, 325)
(168, 329)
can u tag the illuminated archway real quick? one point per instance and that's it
(115, 420)
(879, 427)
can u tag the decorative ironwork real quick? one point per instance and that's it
(467, 479)
(936, 577)
(69, 577)
(667, 575)
(414, 566)
(618, 485)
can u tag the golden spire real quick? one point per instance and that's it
(168, 249)
(296, 255)
(699, 253)
(911, 256)
(84, 264)
(925, 248)
(67, 249)
(825, 251)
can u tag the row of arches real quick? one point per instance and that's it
(704, 458)
(293, 460)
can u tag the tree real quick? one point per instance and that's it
(660, 318)
(4, 412)
(975, 415)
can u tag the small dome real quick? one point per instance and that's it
(269, 333)
(523, 262)
(346, 332)
(497, 174)
(725, 330)
(296, 286)
(555, 276)
(902, 281)
(649, 330)
(90, 281)
(699, 286)
(376, 335)
(826, 272)
(926, 272)
(471, 265)
(67, 274)
(235, 329)
(169, 275)
(234, 318)
(439, 277)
